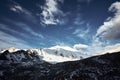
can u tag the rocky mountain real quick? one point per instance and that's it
(27, 65)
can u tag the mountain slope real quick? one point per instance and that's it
(32, 67)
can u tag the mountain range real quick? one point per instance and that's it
(38, 64)
(53, 54)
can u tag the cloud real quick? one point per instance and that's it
(10, 40)
(97, 47)
(81, 33)
(16, 8)
(23, 32)
(111, 29)
(8, 29)
(19, 9)
(78, 21)
(20, 25)
(34, 33)
(7, 41)
(51, 12)
(77, 47)
(109, 49)
(23, 12)
(112, 48)
(80, 46)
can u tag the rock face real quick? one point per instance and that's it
(24, 65)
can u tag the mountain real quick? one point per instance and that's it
(55, 54)
(27, 65)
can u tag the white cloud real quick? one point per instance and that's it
(33, 33)
(7, 41)
(78, 21)
(111, 28)
(80, 46)
(63, 47)
(26, 28)
(16, 8)
(112, 48)
(96, 46)
(6, 28)
(50, 12)
(109, 49)
(81, 33)
(19, 9)
(23, 12)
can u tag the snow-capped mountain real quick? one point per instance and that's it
(29, 65)
(58, 54)
(54, 54)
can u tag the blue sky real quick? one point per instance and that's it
(46, 23)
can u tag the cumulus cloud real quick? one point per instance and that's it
(111, 28)
(51, 12)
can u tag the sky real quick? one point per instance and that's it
(82, 24)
